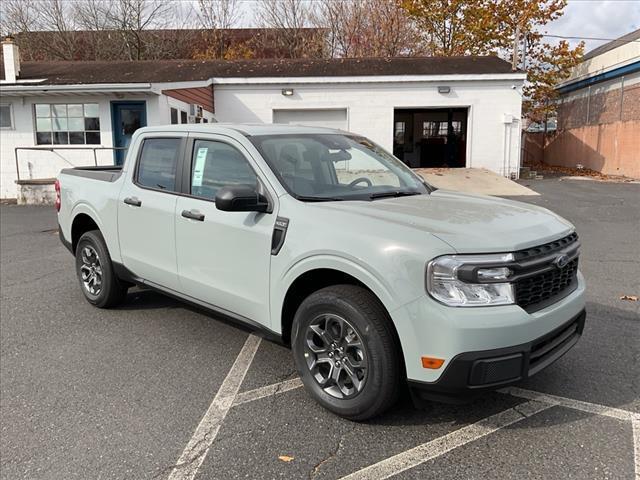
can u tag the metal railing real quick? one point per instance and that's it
(53, 150)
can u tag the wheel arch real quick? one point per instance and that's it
(81, 224)
(314, 279)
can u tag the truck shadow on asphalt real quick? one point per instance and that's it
(584, 373)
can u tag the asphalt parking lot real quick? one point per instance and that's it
(131, 392)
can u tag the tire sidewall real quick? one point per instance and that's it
(378, 363)
(95, 240)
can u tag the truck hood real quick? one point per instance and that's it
(469, 223)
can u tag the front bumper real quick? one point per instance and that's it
(474, 372)
(430, 329)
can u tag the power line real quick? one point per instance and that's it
(589, 38)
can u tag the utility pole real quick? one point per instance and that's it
(516, 41)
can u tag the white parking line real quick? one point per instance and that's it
(435, 448)
(196, 450)
(273, 389)
(550, 400)
(635, 424)
(571, 403)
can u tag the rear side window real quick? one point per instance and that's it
(215, 165)
(157, 163)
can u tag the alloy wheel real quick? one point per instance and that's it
(91, 270)
(336, 356)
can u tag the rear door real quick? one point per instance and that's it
(146, 210)
(223, 257)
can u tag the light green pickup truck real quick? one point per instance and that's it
(324, 241)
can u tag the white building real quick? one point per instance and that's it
(431, 112)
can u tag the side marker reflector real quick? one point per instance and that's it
(432, 363)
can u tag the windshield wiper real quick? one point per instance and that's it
(395, 193)
(318, 199)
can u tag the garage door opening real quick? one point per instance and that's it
(431, 137)
(335, 118)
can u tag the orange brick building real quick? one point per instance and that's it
(599, 111)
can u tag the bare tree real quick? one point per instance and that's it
(367, 28)
(290, 20)
(215, 16)
(18, 16)
(92, 16)
(131, 17)
(52, 16)
(218, 14)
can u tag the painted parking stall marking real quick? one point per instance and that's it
(267, 391)
(536, 403)
(196, 450)
(438, 447)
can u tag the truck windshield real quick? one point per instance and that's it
(331, 167)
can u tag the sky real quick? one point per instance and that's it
(598, 19)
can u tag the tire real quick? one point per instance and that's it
(105, 290)
(357, 393)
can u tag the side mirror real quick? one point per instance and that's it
(241, 198)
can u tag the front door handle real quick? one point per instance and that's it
(193, 215)
(133, 201)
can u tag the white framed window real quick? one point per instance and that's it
(6, 116)
(67, 123)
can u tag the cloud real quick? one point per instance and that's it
(600, 19)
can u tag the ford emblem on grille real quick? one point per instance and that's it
(561, 261)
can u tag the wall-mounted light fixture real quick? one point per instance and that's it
(444, 89)
(287, 92)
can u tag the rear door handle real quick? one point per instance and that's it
(133, 201)
(193, 215)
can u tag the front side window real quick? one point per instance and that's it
(67, 124)
(6, 120)
(326, 167)
(215, 165)
(157, 163)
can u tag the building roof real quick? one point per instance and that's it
(71, 73)
(629, 37)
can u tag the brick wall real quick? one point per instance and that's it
(598, 128)
(610, 148)
(598, 106)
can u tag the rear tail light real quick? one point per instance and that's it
(58, 199)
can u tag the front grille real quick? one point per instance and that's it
(542, 281)
(547, 248)
(541, 287)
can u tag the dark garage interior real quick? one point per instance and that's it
(431, 137)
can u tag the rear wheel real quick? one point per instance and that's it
(99, 284)
(344, 349)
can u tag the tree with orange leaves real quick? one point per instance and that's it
(511, 29)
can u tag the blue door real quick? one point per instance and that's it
(127, 118)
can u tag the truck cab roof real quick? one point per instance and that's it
(246, 129)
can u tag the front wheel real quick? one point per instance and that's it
(99, 283)
(345, 353)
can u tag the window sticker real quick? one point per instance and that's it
(198, 170)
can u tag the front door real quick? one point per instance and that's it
(127, 118)
(223, 258)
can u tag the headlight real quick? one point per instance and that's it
(471, 280)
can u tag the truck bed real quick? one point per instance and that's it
(106, 173)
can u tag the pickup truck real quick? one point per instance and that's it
(322, 240)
